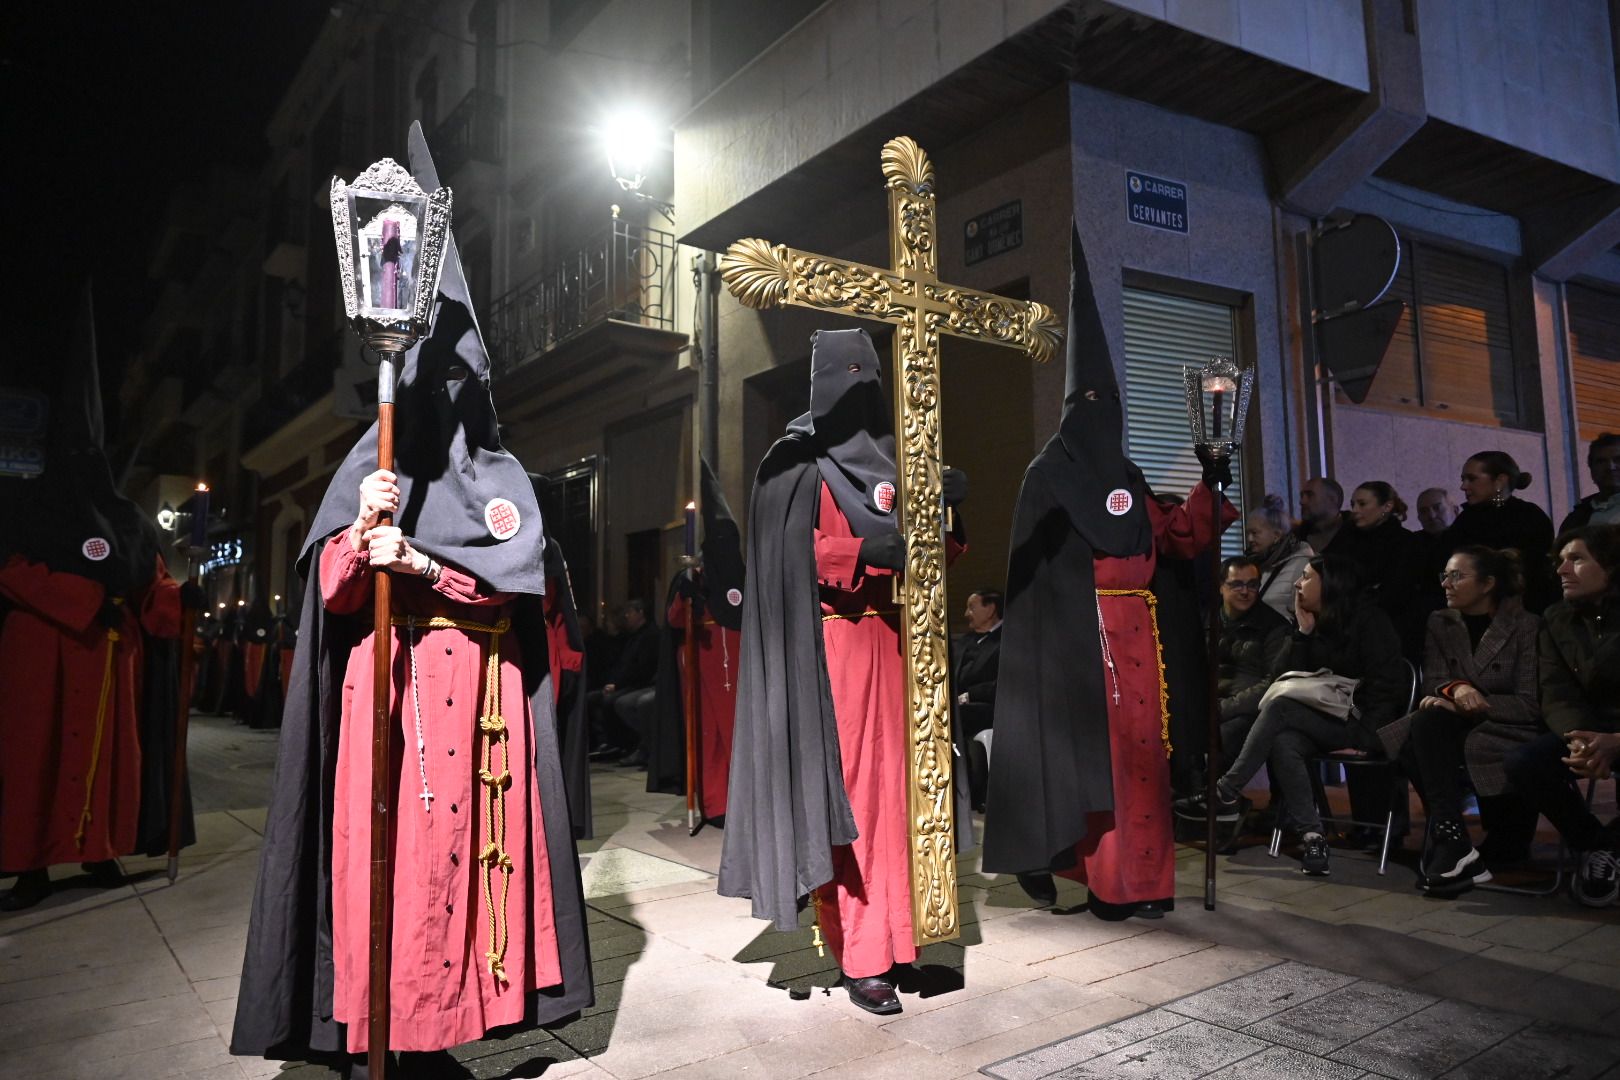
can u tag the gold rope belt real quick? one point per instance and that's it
(1158, 654)
(101, 726)
(492, 732)
(860, 614)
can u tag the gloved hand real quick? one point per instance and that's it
(111, 614)
(192, 597)
(954, 483)
(686, 587)
(1217, 468)
(887, 550)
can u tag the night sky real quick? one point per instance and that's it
(105, 107)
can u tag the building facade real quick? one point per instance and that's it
(1203, 149)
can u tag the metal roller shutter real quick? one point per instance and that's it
(1594, 352)
(1163, 335)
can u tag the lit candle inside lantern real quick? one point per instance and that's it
(199, 516)
(691, 529)
(390, 263)
(1218, 387)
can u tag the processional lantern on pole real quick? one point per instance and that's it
(391, 239)
(1217, 407)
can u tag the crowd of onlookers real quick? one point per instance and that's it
(1480, 654)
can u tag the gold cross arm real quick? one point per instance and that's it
(910, 296)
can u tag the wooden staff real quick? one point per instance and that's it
(1212, 683)
(382, 795)
(182, 723)
(694, 816)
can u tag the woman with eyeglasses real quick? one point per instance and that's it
(1479, 703)
(1580, 701)
(1494, 517)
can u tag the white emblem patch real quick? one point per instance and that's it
(734, 597)
(96, 549)
(883, 496)
(1119, 502)
(502, 518)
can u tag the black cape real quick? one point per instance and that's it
(786, 803)
(573, 728)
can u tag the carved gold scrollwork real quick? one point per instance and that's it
(907, 165)
(756, 272)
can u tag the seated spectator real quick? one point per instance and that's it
(1580, 701)
(1480, 702)
(1602, 508)
(1389, 559)
(1342, 633)
(974, 668)
(1435, 510)
(617, 709)
(1323, 524)
(1252, 635)
(1281, 554)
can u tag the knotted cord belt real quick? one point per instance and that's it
(1158, 653)
(101, 726)
(492, 734)
(860, 614)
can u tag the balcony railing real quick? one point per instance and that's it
(626, 272)
(474, 131)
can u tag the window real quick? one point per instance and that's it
(1452, 354)
(1594, 353)
(1165, 334)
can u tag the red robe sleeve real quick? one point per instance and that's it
(675, 615)
(1181, 532)
(68, 600)
(160, 606)
(345, 576)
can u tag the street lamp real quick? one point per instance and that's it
(1217, 408)
(633, 143)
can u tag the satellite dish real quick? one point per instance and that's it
(1352, 346)
(1355, 263)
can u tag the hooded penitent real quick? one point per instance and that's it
(1081, 498)
(851, 426)
(717, 594)
(460, 493)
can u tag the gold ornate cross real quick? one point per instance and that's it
(909, 295)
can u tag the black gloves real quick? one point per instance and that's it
(887, 550)
(191, 596)
(111, 614)
(953, 482)
(686, 587)
(1217, 469)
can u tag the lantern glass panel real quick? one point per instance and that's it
(387, 239)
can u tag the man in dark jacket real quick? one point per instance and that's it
(1252, 634)
(973, 682)
(1603, 506)
(617, 708)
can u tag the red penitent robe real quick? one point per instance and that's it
(718, 650)
(61, 769)
(866, 908)
(443, 992)
(1128, 854)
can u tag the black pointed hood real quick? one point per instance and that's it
(72, 518)
(1100, 487)
(722, 554)
(458, 485)
(851, 423)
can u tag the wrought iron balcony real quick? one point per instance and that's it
(474, 131)
(625, 273)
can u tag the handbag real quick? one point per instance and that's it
(1329, 694)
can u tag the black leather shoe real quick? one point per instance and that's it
(1149, 909)
(32, 886)
(104, 874)
(874, 993)
(1040, 888)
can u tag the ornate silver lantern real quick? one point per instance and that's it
(391, 237)
(1218, 404)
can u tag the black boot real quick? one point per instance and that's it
(1040, 888)
(104, 874)
(32, 886)
(431, 1065)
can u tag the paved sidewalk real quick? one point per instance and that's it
(140, 981)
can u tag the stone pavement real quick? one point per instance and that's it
(140, 981)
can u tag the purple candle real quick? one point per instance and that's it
(199, 516)
(691, 529)
(390, 263)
